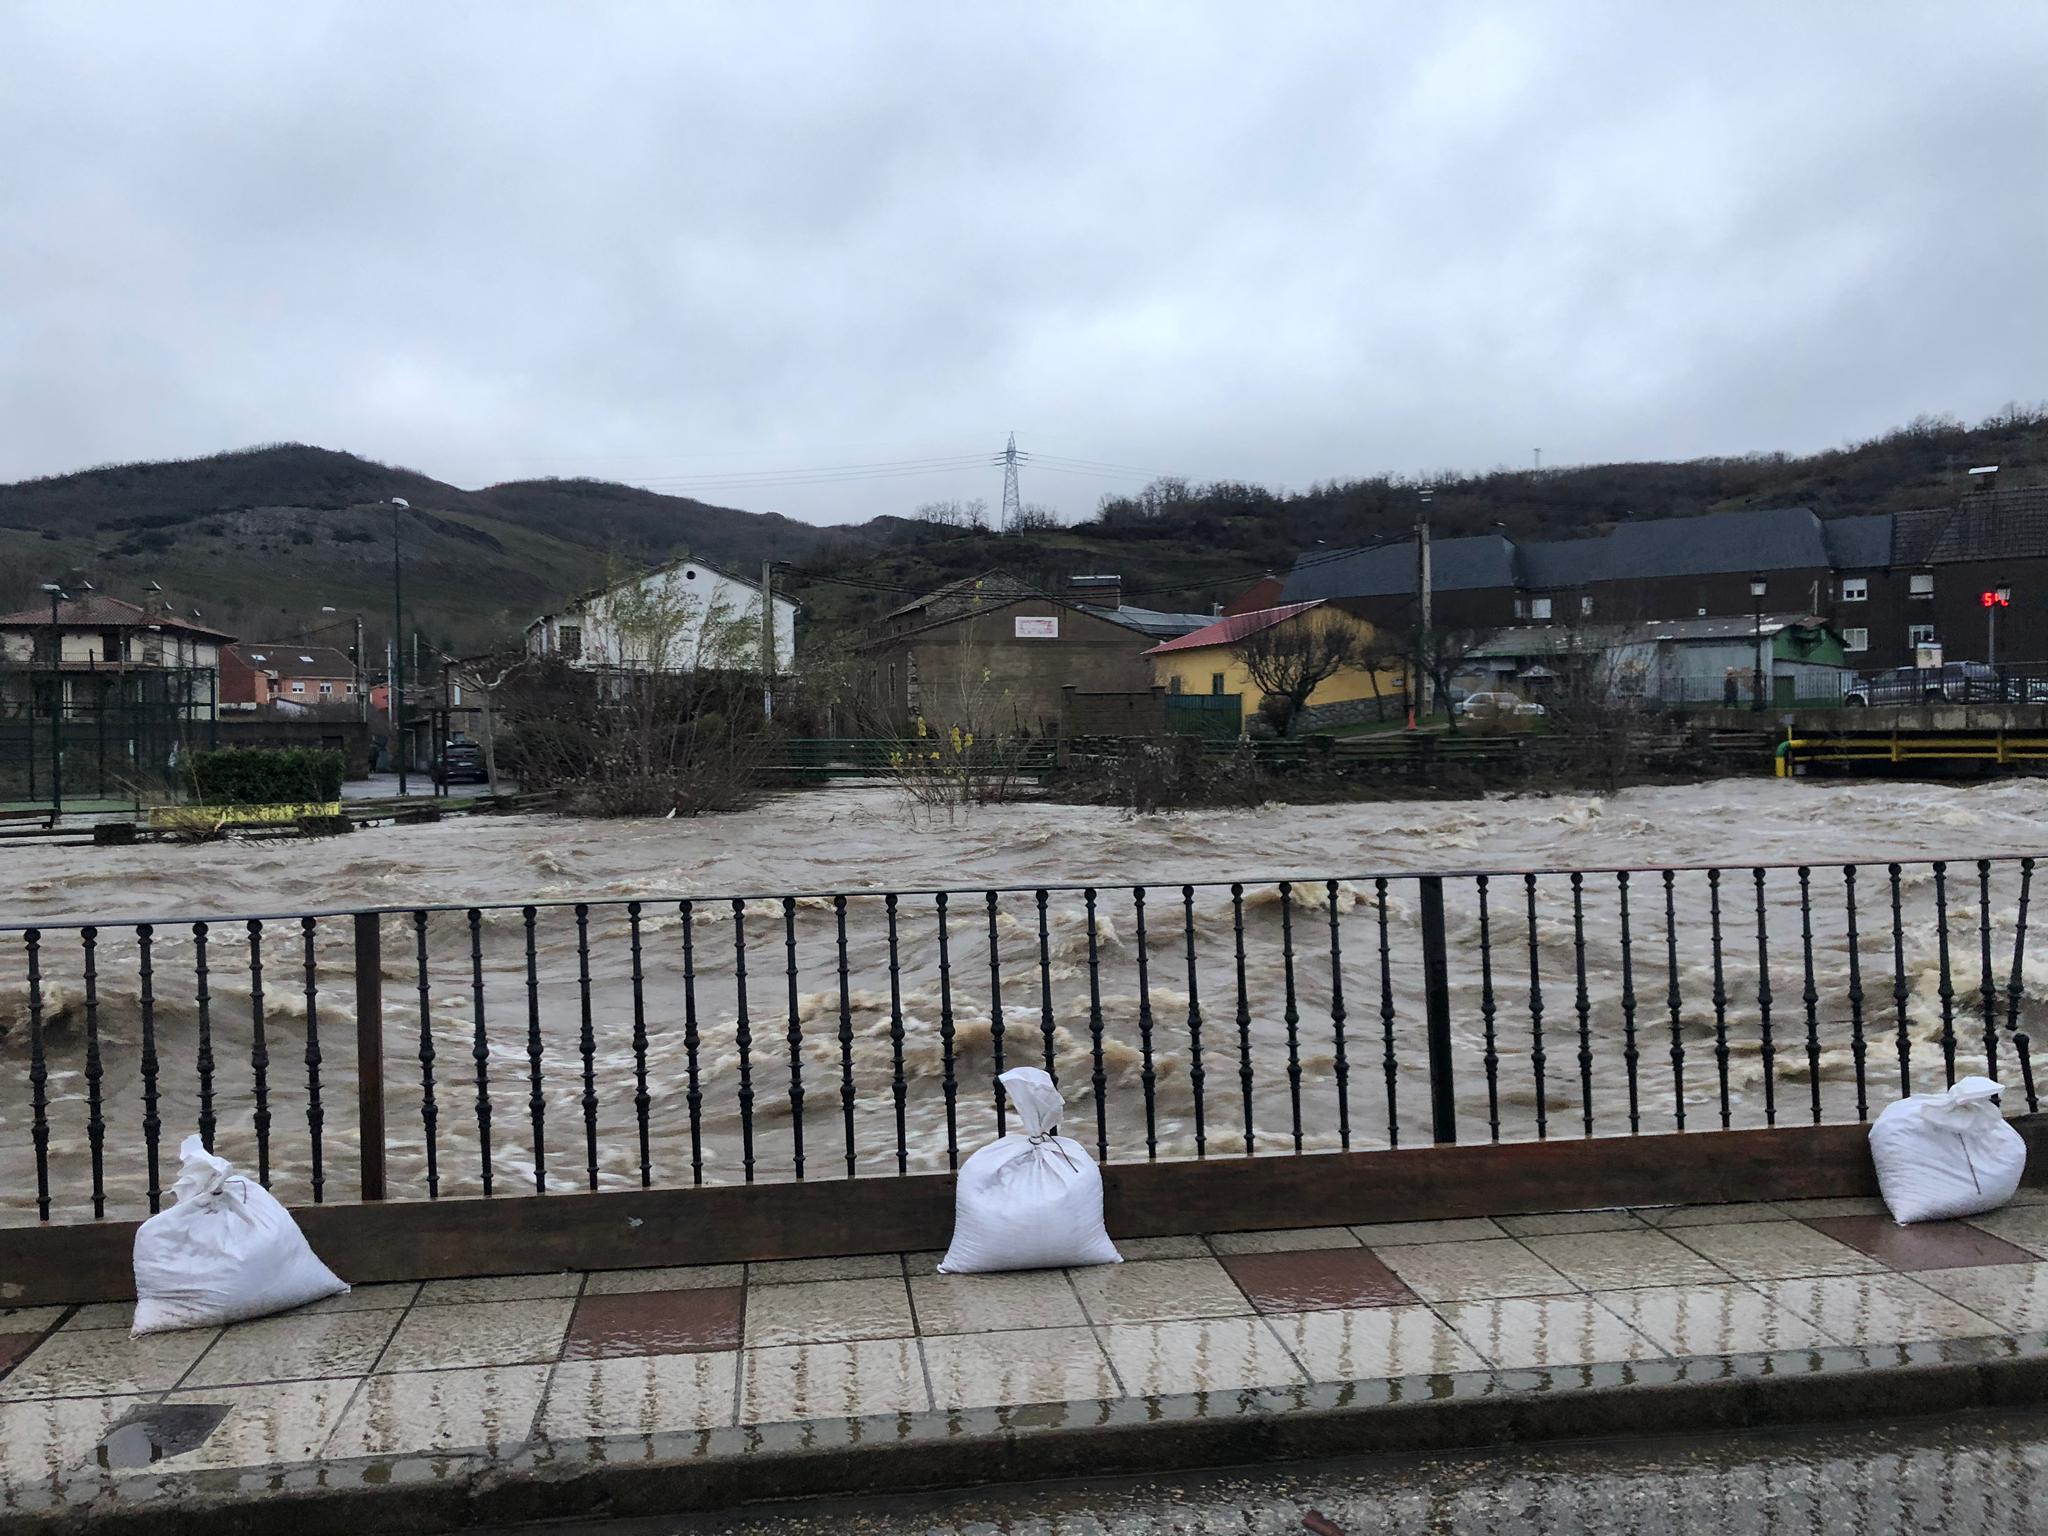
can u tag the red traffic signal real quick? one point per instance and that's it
(1999, 599)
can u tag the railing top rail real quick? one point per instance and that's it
(1158, 882)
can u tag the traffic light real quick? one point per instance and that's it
(2002, 598)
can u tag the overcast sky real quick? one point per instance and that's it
(704, 247)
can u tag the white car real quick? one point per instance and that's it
(1498, 704)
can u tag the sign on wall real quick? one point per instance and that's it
(1038, 628)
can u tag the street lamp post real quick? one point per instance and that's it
(1756, 640)
(398, 746)
(57, 595)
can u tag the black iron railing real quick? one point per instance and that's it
(685, 1040)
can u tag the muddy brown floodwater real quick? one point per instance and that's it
(859, 842)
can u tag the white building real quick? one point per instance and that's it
(676, 618)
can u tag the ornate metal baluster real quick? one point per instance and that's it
(845, 1033)
(1244, 1016)
(1763, 1006)
(536, 1102)
(995, 1014)
(1146, 1074)
(1045, 1019)
(95, 1122)
(1946, 991)
(39, 1073)
(1721, 1051)
(587, 1044)
(1491, 1057)
(1899, 990)
(642, 1100)
(203, 1000)
(1986, 987)
(692, 1040)
(152, 1126)
(948, 1084)
(1291, 1014)
(1810, 995)
(1581, 1002)
(2012, 986)
(1098, 1078)
(1672, 1002)
(796, 1040)
(315, 1116)
(430, 1114)
(743, 1038)
(1536, 1056)
(898, 1087)
(479, 1046)
(1856, 1043)
(1187, 898)
(1629, 1056)
(259, 1053)
(1386, 1009)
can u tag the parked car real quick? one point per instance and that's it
(1954, 682)
(462, 762)
(1483, 704)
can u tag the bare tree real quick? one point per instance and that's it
(1444, 654)
(1291, 659)
(1034, 518)
(972, 513)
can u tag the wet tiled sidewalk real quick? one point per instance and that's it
(499, 1369)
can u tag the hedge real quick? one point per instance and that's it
(263, 776)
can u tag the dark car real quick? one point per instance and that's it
(1954, 682)
(462, 762)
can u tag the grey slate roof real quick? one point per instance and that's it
(1859, 543)
(1456, 565)
(1760, 539)
(1562, 562)
(1151, 621)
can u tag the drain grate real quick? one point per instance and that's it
(150, 1433)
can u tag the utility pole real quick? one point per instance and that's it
(767, 640)
(1422, 591)
(362, 693)
(397, 675)
(1013, 503)
(57, 595)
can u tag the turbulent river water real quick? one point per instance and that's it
(1605, 1044)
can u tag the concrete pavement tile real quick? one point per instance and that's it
(1709, 1215)
(280, 1421)
(41, 1440)
(845, 1380)
(14, 1348)
(1291, 1240)
(2013, 1296)
(1216, 1354)
(1158, 1289)
(1551, 1223)
(656, 1323)
(1364, 1343)
(646, 1394)
(1722, 1319)
(1040, 1298)
(478, 1334)
(1924, 1245)
(1525, 1332)
(866, 1266)
(491, 1408)
(1774, 1250)
(29, 1319)
(695, 1277)
(1601, 1261)
(1040, 1365)
(1473, 1271)
(1877, 1309)
(397, 1296)
(1187, 1247)
(2022, 1226)
(102, 1314)
(827, 1311)
(293, 1346)
(1845, 1205)
(1321, 1279)
(446, 1293)
(1458, 1229)
(105, 1361)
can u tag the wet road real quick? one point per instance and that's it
(1980, 1474)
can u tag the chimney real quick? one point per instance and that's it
(1096, 591)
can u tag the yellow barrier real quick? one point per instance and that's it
(203, 817)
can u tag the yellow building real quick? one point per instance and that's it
(1209, 660)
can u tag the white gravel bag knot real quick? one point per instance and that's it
(1031, 1199)
(1942, 1155)
(225, 1250)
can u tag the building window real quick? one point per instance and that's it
(1919, 634)
(298, 687)
(1173, 685)
(1216, 683)
(1539, 607)
(326, 690)
(1920, 585)
(1856, 589)
(1585, 607)
(1855, 639)
(1521, 608)
(569, 640)
(110, 645)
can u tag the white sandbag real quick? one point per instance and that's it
(1942, 1155)
(224, 1251)
(1031, 1199)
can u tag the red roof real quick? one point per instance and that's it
(1234, 627)
(96, 610)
